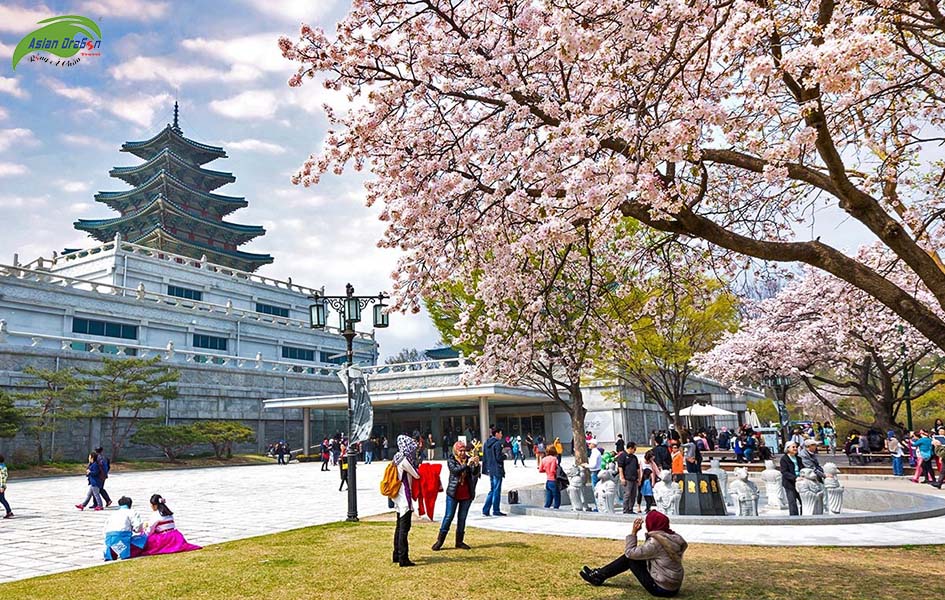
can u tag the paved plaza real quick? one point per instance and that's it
(216, 505)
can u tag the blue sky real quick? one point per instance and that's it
(61, 128)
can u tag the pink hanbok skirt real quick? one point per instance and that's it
(167, 542)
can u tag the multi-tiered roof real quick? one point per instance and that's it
(171, 205)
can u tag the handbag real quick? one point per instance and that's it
(513, 496)
(561, 478)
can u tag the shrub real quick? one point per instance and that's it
(172, 440)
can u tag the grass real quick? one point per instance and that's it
(344, 560)
(57, 469)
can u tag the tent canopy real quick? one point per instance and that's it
(705, 410)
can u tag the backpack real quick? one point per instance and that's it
(390, 482)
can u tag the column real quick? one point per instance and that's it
(483, 418)
(306, 430)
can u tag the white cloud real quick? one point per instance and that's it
(251, 145)
(254, 104)
(138, 109)
(79, 207)
(9, 85)
(136, 10)
(6, 51)
(3, 113)
(16, 19)
(73, 187)
(151, 68)
(18, 135)
(294, 11)
(259, 52)
(12, 169)
(79, 140)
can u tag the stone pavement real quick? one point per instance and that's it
(49, 535)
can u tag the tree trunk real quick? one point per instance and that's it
(39, 448)
(578, 412)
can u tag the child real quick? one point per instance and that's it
(122, 530)
(647, 489)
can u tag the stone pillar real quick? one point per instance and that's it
(306, 430)
(435, 425)
(483, 418)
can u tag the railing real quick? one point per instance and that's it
(421, 367)
(202, 264)
(141, 294)
(168, 353)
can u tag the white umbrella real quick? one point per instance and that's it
(705, 410)
(753, 419)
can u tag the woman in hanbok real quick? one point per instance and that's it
(163, 536)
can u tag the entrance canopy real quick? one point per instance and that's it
(480, 395)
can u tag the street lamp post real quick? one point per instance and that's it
(780, 384)
(349, 308)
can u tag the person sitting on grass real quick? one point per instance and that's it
(123, 530)
(657, 564)
(163, 536)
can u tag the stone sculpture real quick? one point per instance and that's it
(667, 493)
(744, 494)
(578, 478)
(811, 492)
(833, 490)
(715, 468)
(605, 492)
(773, 490)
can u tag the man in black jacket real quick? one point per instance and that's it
(661, 454)
(493, 459)
(791, 466)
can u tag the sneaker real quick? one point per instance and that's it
(8, 516)
(107, 504)
(98, 508)
(500, 514)
(80, 506)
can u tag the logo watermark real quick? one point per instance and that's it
(65, 37)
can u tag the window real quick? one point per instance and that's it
(298, 353)
(269, 309)
(104, 328)
(182, 292)
(334, 357)
(209, 342)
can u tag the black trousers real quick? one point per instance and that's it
(793, 500)
(928, 471)
(104, 494)
(640, 570)
(401, 533)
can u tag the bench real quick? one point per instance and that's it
(857, 458)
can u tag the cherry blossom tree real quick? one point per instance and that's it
(547, 331)
(839, 343)
(727, 121)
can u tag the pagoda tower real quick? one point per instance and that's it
(171, 206)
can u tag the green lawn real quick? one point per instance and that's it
(353, 561)
(58, 469)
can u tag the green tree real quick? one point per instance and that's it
(55, 395)
(171, 440)
(11, 418)
(125, 388)
(685, 315)
(765, 409)
(406, 355)
(221, 435)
